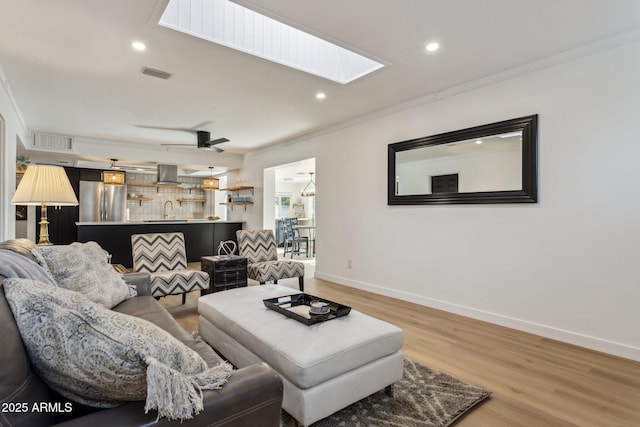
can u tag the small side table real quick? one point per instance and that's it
(225, 272)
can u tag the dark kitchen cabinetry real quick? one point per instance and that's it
(201, 238)
(62, 224)
(89, 174)
(280, 232)
(62, 220)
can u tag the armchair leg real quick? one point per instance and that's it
(184, 298)
(275, 282)
(301, 283)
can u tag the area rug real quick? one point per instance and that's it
(423, 397)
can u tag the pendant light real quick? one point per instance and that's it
(310, 189)
(211, 183)
(113, 177)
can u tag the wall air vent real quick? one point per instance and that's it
(156, 73)
(52, 142)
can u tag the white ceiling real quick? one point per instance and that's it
(72, 71)
(295, 173)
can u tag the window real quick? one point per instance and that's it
(283, 205)
(444, 183)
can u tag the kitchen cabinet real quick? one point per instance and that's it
(62, 220)
(89, 174)
(201, 237)
(280, 232)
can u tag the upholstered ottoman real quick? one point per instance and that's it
(325, 367)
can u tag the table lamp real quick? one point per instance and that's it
(44, 185)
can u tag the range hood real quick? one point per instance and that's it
(167, 175)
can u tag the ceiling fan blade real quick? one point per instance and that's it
(193, 129)
(203, 124)
(167, 128)
(211, 148)
(203, 142)
(218, 141)
(202, 147)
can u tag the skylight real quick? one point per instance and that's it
(235, 26)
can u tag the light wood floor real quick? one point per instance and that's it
(534, 381)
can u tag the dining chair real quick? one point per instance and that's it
(292, 240)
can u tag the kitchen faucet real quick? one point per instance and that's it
(165, 208)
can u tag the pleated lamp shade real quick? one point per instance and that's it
(45, 184)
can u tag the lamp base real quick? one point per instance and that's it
(44, 228)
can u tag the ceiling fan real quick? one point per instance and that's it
(204, 140)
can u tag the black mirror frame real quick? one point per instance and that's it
(529, 193)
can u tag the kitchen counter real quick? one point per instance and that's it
(201, 236)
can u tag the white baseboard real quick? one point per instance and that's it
(546, 331)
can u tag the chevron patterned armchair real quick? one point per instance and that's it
(259, 247)
(164, 257)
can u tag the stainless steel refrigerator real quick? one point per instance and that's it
(100, 203)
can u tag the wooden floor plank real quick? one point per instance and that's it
(534, 381)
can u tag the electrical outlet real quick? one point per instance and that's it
(348, 263)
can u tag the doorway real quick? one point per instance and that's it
(284, 200)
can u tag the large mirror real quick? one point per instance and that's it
(494, 163)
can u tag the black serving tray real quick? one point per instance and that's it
(297, 306)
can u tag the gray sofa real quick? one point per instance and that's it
(251, 397)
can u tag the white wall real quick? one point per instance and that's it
(269, 195)
(12, 128)
(253, 173)
(566, 267)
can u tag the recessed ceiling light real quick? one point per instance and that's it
(138, 46)
(479, 142)
(321, 95)
(432, 47)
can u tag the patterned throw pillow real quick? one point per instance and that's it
(83, 267)
(103, 358)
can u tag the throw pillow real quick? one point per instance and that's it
(103, 358)
(83, 267)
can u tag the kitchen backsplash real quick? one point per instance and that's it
(154, 208)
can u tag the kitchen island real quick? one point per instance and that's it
(202, 237)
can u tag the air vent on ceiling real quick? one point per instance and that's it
(156, 73)
(50, 141)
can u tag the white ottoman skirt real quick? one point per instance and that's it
(325, 367)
